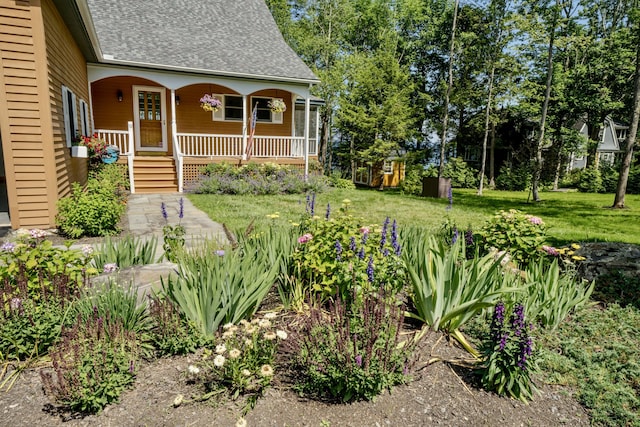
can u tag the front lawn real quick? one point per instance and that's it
(570, 217)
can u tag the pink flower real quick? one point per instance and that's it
(364, 230)
(535, 220)
(550, 250)
(305, 238)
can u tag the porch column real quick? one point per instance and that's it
(307, 113)
(244, 127)
(177, 152)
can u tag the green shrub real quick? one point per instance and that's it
(91, 368)
(355, 352)
(341, 253)
(590, 181)
(514, 179)
(506, 366)
(95, 211)
(337, 181)
(515, 232)
(609, 178)
(115, 175)
(171, 334)
(412, 182)
(462, 176)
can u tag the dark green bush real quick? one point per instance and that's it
(514, 179)
(462, 176)
(336, 180)
(412, 182)
(94, 211)
(590, 181)
(609, 178)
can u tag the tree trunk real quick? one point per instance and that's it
(487, 118)
(492, 158)
(556, 176)
(621, 189)
(445, 120)
(545, 107)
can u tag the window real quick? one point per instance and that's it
(387, 167)
(84, 116)
(231, 110)
(70, 115)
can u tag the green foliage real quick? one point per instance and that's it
(448, 289)
(354, 353)
(514, 179)
(171, 333)
(257, 179)
(618, 287)
(32, 268)
(590, 181)
(597, 352)
(243, 361)
(515, 232)
(462, 176)
(609, 176)
(219, 287)
(336, 181)
(115, 175)
(507, 354)
(125, 252)
(412, 182)
(551, 295)
(340, 253)
(92, 366)
(95, 211)
(173, 235)
(27, 328)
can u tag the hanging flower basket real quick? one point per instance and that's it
(209, 103)
(277, 105)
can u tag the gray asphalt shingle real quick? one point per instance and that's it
(219, 36)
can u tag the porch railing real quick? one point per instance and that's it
(123, 139)
(209, 145)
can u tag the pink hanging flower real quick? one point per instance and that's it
(305, 238)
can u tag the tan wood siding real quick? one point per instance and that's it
(67, 67)
(24, 126)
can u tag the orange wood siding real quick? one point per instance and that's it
(67, 67)
(26, 125)
(191, 118)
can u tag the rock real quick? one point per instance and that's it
(604, 258)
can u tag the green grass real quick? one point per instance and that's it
(570, 217)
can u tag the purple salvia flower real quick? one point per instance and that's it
(313, 204)
(517, 320)
(361, 253)
(359, 360)
(181, 211)
(397, 249)
(308, 204)
(352, 244)
(385, 226)
(326, 216)
(394, 235)
(468, 237)
(497, 322)
(454, 238)
(370, 269)
(385, 252)
(338, 250)
(163, 208)
(526, 348)
(365, 236)
(503, 340)
(450, 198)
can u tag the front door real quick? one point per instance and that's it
(150, 118)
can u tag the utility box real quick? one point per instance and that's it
(436, 187)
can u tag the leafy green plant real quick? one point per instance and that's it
(506, 366)
(173, 235)
(519, 234)
(224, 286)
(448, 289)
(115, 175)
(33, 263)
(95, 211)
(125, 252)
(243, 361)
(514, 179)
(340, 253)
(356, 351)
(92, 366)
(551, 295)
(462, 176)
(171, 333)
(337, 181)
(590, 181)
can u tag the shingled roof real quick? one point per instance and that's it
(224, 37)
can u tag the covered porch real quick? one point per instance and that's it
(165, 137)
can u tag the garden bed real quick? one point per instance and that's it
(441, 394)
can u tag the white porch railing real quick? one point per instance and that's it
(209, 145)
(123, 139)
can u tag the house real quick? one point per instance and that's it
(134, 73)
(387, 174)
(612, 136)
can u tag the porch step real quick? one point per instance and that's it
(155, 175)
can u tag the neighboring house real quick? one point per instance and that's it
(388, 173)
(612, 136)
(134, 71)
